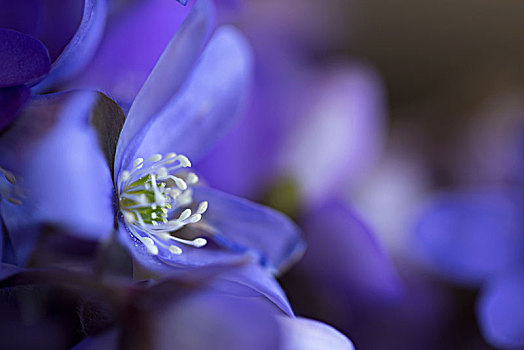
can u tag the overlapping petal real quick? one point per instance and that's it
(81, 47)
(168, 76)
(252, 280)
(208, 103)
(128, 51)
(63, 177)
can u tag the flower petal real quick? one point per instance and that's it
(339, 135)
(255, 279)
(166, 79)
(305, 334)
(243, 226)
(81, 47)
(468, 236)
(342, 253)
(208, 104)
(500, 310)
(165, 263)
(11, 101)
(141, 45)
(23, 59)
(64, 179)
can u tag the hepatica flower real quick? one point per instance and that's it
(65, 142)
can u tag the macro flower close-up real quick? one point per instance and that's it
(261, 174)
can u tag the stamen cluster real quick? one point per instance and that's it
(152, 200)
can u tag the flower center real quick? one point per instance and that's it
(154, 201)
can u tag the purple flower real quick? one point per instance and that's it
(147, 193)
(42, 43)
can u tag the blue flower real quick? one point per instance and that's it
(42, 44)
(65, 142)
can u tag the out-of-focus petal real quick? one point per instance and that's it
(63, 177)
(23, 59)
(256, 282)
(208, 104)
(139, 35)
(470, 235)
(216, 321)
(11, 101)
(500, 309)
(305, 334)
(339, 134)
(81, 47)
(243, 226)
(168, 76)
(342, 254)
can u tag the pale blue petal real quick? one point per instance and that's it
(305, 334)
(209, 102)
(171, 71)
(63, 177)
(243, 226)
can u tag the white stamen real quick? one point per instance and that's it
(192, 178)
(185, 214)
(175, 250)
(138, 162)
(202, 207)
(154, 158)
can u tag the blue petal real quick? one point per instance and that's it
(23, 59)
(166, 263)
(500, 309)
(255, 279)
(208, 104)
(306, 334)
(63, 176)
(468, 236)
(342, 254)
(81, 47)
(140, 45)
(243, 226)
(11, 101)
(172, 69)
